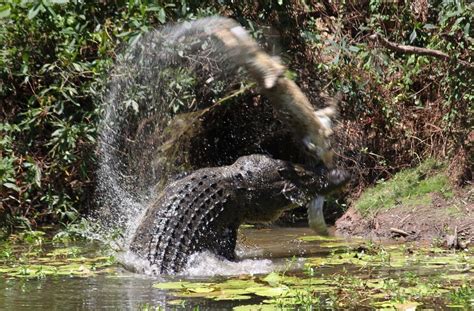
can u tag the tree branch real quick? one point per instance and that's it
(408, 49)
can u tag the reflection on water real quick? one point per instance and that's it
(124, 291)
(261, 251)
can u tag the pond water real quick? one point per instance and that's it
(281, 268)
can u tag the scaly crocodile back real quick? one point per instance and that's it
(203, 211)
(183, 220)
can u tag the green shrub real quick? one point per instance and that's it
(53, 63)
(55, 55)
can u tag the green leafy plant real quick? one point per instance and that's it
(54, 61)
(397, 107)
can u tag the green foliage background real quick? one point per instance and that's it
(55, 56)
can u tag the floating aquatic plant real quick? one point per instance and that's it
(369, 284)
(23, 257)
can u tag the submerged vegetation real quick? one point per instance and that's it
(358, 276)
(348, 274)
(35, 255)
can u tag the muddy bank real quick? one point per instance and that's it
(447, 222)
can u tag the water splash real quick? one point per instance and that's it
(156, 86)
(154, 111)
(208, 265)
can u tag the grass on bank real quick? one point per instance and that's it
(408, 187)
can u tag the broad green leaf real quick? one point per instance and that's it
(11, 186)
(268, 291)
(35, 10)
(5, 11)
(162, 16)
(179, 285)
(272, 278)
(309, 238)
(261, 307)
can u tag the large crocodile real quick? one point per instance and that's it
(203, 210)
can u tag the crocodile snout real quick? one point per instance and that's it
(311, 182)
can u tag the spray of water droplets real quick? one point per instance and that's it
(171, 72)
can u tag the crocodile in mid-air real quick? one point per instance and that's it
(203, 210)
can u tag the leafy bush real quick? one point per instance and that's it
(53, 64)
(397, 108)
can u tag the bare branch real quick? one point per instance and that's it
(408, 49)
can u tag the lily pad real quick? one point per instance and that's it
(238, 283)
(273, 278)
(261, 307)
(236, 297)
(310, 238)
(180, 285)
(268, 291)
(334, 244)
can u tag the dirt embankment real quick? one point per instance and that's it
(448, 222)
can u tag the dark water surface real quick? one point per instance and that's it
(263, 251)
(123, 290)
